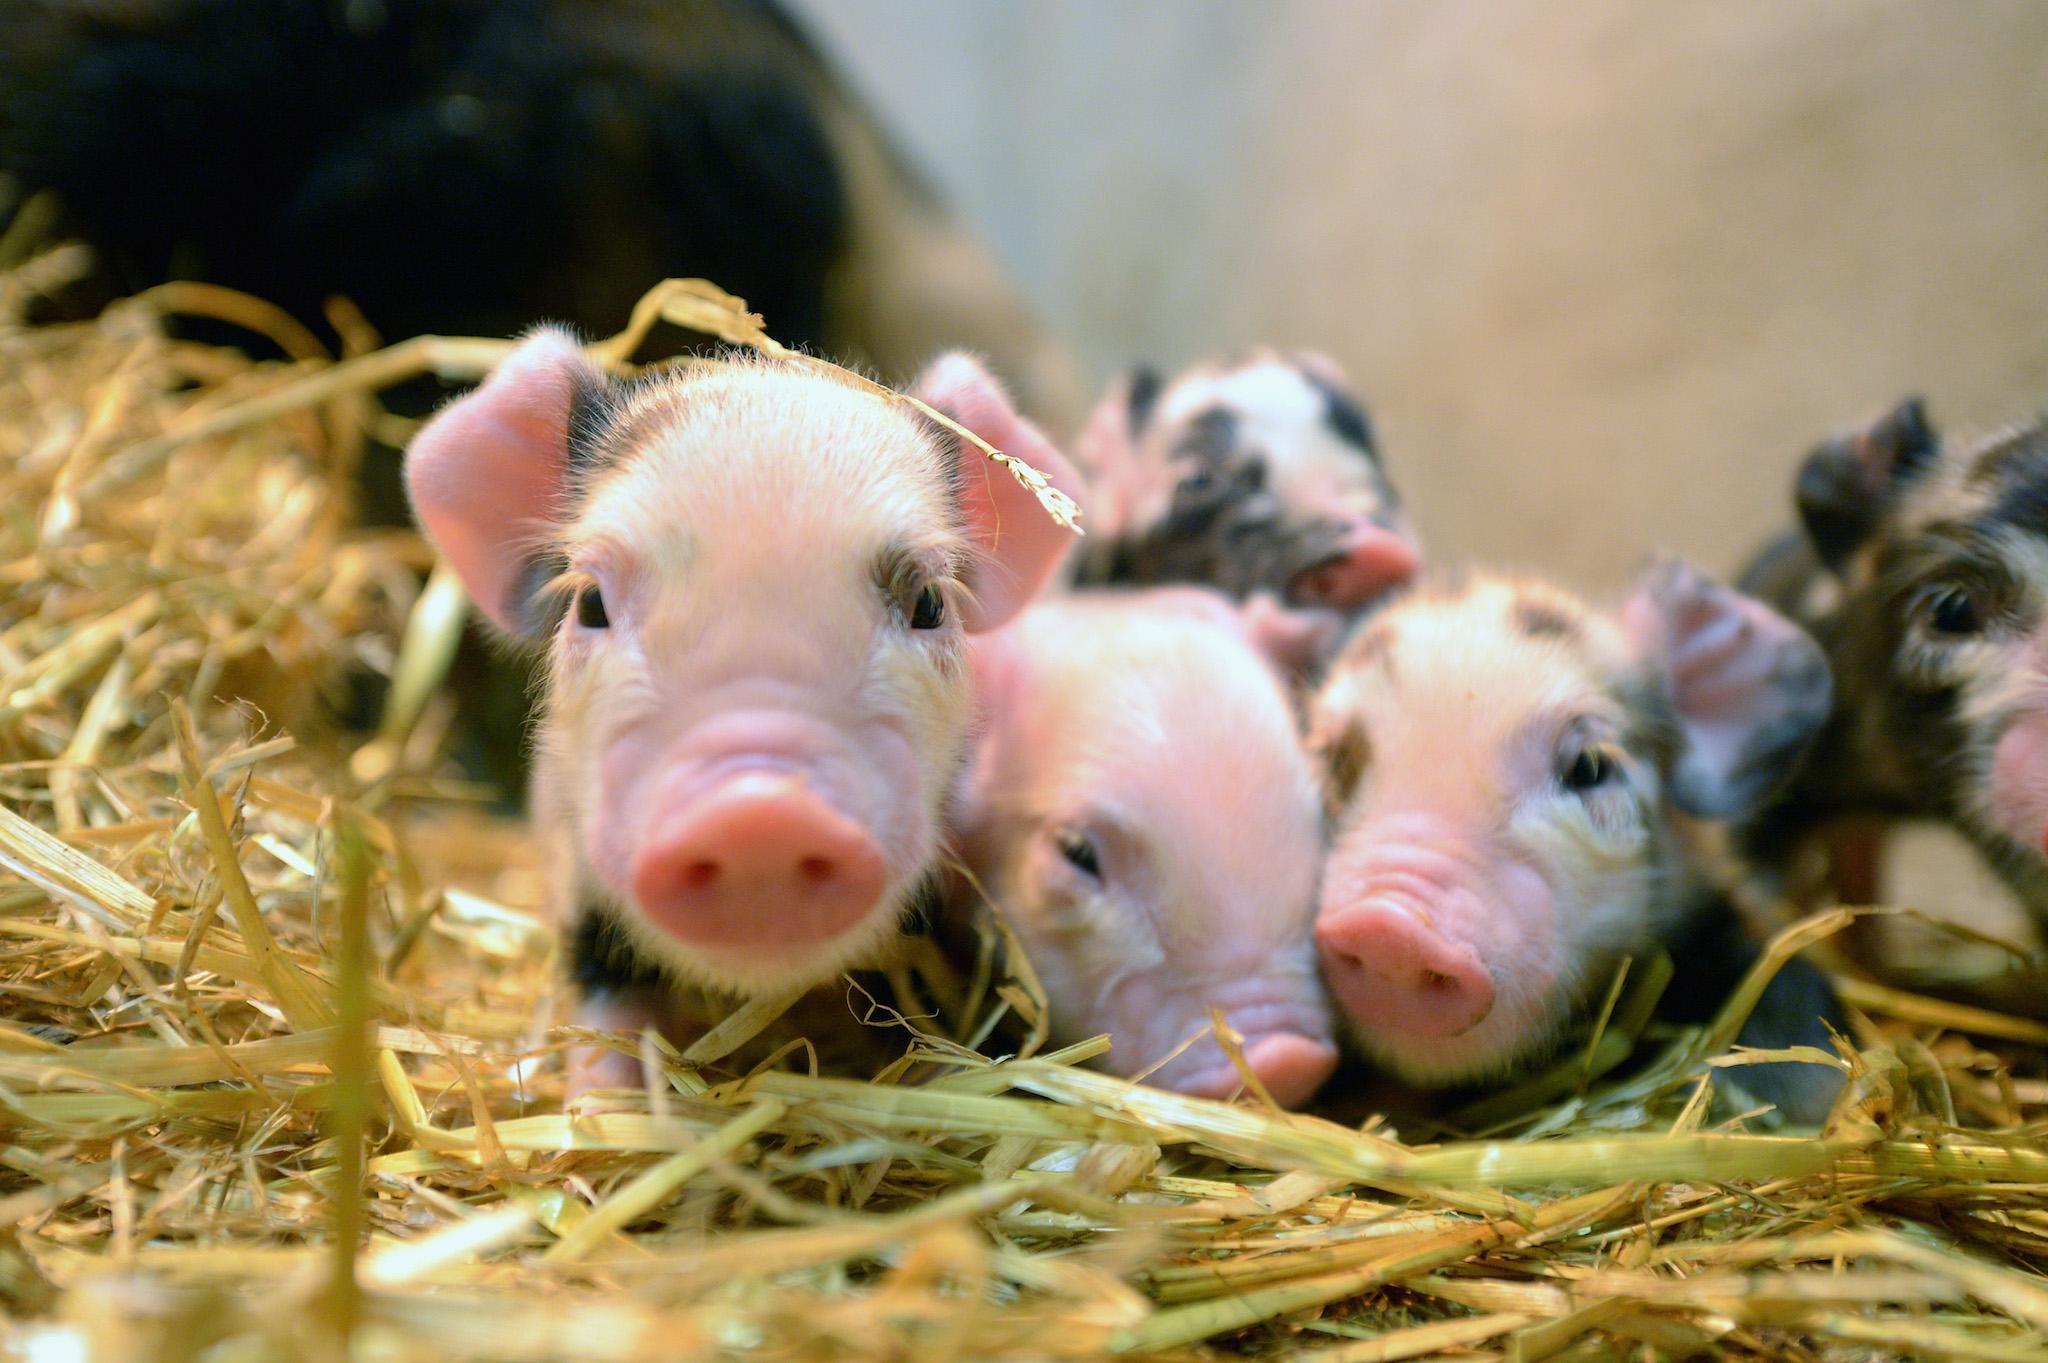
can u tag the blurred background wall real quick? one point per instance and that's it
(1603, 270)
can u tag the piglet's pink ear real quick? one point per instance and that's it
(487, 472)
(1107, 448)
(1297, 640)
(1021, 544)
(1294, 641)
(1749, 687)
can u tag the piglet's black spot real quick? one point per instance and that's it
(2023, 504)
(603, 958)
(1210, 436)
(539, 613)
(1342, 414)
(1539, 620)
(592, 402)
(1345, 758)
(1144, 396)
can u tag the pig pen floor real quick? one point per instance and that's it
(280, 1066)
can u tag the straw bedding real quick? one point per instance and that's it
(280, 1076)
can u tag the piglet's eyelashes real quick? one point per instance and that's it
(575, 594)
(920, 602)
(1953, 610)
(928, 611)
(918, 591)
(1080, 852)
(1587, 768)
(1947, 617)
(590, 612)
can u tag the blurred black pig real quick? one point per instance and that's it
(470, 167)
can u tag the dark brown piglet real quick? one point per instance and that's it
(1926, 580)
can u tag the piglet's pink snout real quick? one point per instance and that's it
(1290, 1065)
(2019, 780)
(758, 864)
(1370, 560)
(1391, 970)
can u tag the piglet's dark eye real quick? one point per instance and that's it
(590, 608)
(929, 611)
(1954, 611)
(1588, 770)
(1080, 854)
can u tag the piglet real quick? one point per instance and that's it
(1255, 475)
(1140, 808)
(1512, 778)
(754, 583)
(1927, 583)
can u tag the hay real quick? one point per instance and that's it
(278, 1077)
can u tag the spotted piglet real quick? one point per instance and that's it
(1512, 778)
(754, 583)
(1140, 807)
(1255, 476)
(1930, 596)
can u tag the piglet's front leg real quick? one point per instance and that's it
(593, 1066)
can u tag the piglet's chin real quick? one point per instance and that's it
(2019, 781)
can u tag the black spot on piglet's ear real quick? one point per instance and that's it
(1846, 484)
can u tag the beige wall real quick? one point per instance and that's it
(1602, 269)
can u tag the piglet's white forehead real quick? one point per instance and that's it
(1486, 661)
(1264, 389)
(1122, 675)
(772, 460)
(1170, 717)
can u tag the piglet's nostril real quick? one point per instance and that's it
(759, 865)
(1391, 970)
